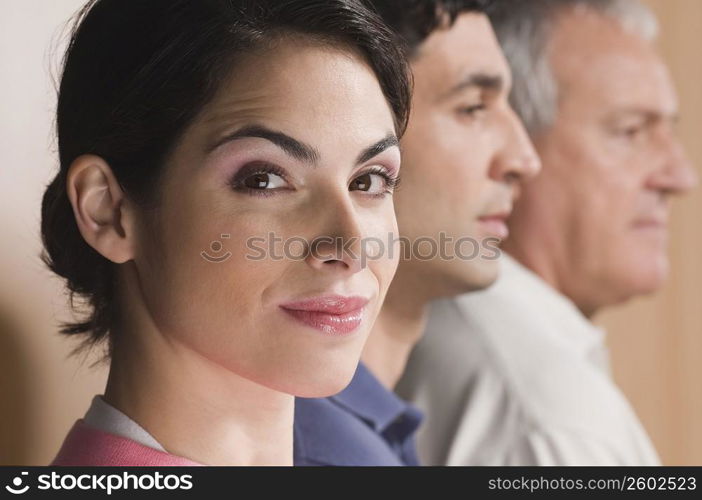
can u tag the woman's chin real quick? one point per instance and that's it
(325, 390)
(316, 383)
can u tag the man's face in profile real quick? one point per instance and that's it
(611, 161)
(463, 153)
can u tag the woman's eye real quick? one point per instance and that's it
(264, 180)
(260, 180)
(374, 183)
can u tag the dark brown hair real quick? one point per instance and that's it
(414, 20)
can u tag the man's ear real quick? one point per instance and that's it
(104, 216)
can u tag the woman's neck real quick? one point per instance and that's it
(196, 408)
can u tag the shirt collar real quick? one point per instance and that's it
(368, 399)
(578, 331)
(105, 417)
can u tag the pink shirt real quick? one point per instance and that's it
(86, 446)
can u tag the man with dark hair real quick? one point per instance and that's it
(464, 153)
(519, 374)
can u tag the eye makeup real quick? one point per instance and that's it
(264, 171)
(390, 180)
(255, 177)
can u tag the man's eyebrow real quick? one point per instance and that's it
(481, 80)
(370, 152)
(649, 115)
(293, 147)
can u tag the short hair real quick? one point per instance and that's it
(414, 20)
(524, 28)
(137, 73)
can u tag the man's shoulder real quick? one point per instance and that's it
(326, 433)
(558, 444)
(520, 362)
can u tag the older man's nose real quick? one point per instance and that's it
(676, 175)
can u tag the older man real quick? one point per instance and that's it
(518, 374)
(464, 154)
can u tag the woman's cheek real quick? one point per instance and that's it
(382, 246)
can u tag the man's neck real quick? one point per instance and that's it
(398, 328)
(546, 267)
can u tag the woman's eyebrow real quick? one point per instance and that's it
(297, 149)
(371, 151)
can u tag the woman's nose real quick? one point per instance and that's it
(339, 244)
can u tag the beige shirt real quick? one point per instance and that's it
(516, 375)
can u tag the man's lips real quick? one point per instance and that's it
(653, 218)
(333, 314)
(495, 224)
(650, 223)
(656, 227)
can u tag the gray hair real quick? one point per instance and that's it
(523, 28)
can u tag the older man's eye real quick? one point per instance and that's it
(632, 132)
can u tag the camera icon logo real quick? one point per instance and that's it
(216, 247)
(16, 489)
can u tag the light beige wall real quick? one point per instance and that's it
(656, 342)
(41, 391)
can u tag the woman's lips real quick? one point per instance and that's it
(334, 314)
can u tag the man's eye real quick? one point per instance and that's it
(632, 131)
(471, 110)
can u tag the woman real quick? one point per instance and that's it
(214, 154)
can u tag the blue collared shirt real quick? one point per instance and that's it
(365, 424)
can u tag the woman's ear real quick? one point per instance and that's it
(103, 214)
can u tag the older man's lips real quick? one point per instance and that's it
(653, 222)
(495, 224)
(652, 227)
(332, 314)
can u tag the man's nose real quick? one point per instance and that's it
(517, 160)
(676, 174)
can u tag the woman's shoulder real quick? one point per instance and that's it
(87, 446)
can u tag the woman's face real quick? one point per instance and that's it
(299, 144)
